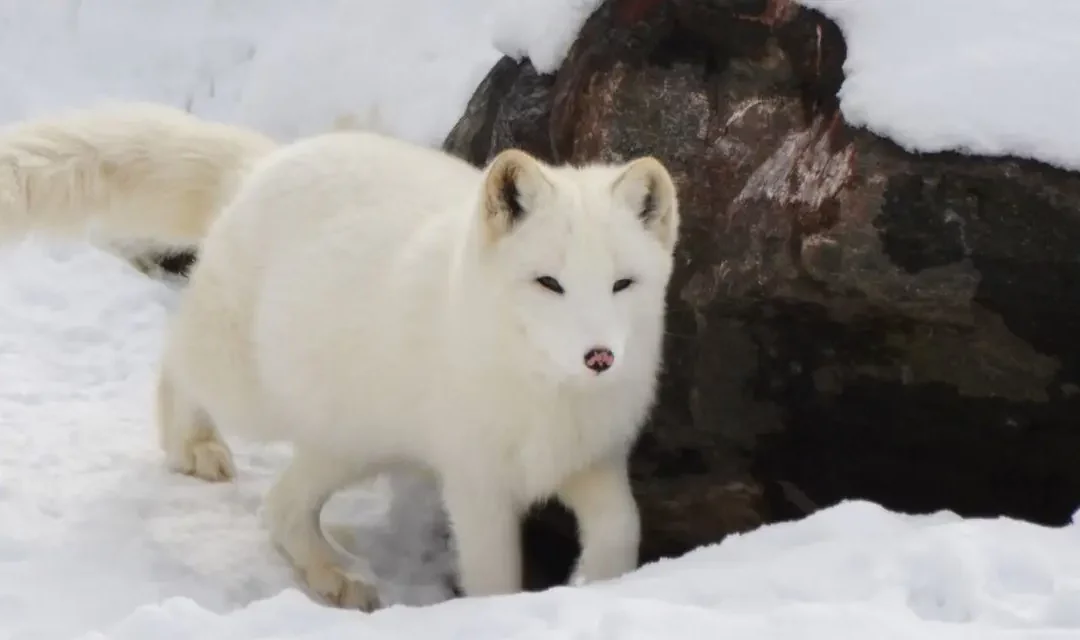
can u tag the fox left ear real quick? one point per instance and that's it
(513, 185)
(647, 188)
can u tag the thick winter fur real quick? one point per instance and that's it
(122, 171)
(377, 304)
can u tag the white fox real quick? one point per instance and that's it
(379, 304)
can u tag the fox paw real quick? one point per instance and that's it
(337, 589)
(208, 460)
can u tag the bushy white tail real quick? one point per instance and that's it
(125, 170)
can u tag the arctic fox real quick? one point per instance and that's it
(130, 172)
(380, 304)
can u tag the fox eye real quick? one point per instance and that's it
(621, 284)
(551, 284)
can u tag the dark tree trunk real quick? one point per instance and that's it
(846, 319)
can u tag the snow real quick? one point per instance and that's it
(854, 571)
(288, 68)
(990, 77)
(541, 30)
(98, 541)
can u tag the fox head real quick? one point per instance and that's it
(580, 258)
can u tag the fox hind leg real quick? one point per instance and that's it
(192, 444)
(293, 508)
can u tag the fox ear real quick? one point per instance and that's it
(647, 188)
(514, 183)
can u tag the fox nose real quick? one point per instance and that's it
(599, 359)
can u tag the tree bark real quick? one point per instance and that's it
(847, 319)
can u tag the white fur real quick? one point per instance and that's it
(370, 302)
(125, 171)
(375, 304)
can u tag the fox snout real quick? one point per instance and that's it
(599, 359)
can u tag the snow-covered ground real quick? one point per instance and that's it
(288, 67)
(852, 572)
(991, 77)
(98, 541)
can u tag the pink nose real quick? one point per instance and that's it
(599, 359)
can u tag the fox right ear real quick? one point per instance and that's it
(646, 186)
(513, 184)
